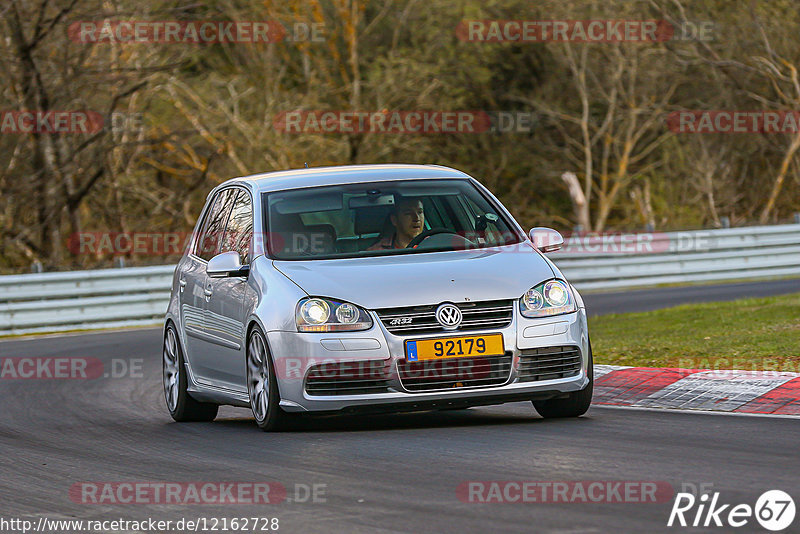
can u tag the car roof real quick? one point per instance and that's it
(343, 174)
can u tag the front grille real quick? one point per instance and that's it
(349, 378)
(548, 363)
(422, 319)
(454, 373)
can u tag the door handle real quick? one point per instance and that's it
(208, 291)
(182, 283)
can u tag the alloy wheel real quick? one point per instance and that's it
(171, 370)
(258, 376)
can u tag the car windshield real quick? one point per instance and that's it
(383, 218)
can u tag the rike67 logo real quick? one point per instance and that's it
(774, 510)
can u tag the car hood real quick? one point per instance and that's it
(425, 278)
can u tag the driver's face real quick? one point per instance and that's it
(409, 219)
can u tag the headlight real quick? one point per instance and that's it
(553, 297)
(315, 312)
(327, 315)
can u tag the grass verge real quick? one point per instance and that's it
(761, 334)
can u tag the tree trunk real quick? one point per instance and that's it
(578, 200)
(776, 187)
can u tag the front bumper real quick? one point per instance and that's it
(294, 354)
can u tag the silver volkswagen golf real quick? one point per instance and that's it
(372, 288)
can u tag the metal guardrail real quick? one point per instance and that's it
(78, 300)
(681, 257)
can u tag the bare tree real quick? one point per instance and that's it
(612, 136)
(46, 74)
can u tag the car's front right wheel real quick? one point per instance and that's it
(576, 403)
(262, 385)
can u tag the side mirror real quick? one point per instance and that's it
(226, 265)
(546, 239)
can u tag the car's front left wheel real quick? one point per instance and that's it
(182, 407)
(262, 384)
(575, 404)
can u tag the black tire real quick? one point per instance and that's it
(575, 405)
(184, 408)
(268, 414)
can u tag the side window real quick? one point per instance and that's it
(214, 224)
(239, 230)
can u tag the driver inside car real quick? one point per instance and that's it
(408, 220)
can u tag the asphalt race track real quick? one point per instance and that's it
(383, 473)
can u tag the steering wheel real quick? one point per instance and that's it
(427, 233)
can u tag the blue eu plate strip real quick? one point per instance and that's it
(411, 351)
